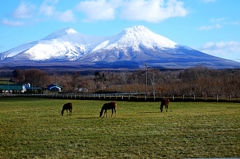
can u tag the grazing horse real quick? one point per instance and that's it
(106, 106)
(165, 102)
(67, 107)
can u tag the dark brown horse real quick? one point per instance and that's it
(67, 107)
(107, 106)
(165, 102)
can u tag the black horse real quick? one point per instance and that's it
(106, 106)
(165, 102)
(67, 107)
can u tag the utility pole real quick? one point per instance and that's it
(146, 81)
(152, 81)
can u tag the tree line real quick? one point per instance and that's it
(199, 81)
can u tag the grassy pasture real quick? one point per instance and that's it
(33, 128)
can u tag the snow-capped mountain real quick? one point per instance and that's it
(133, 47)
(64, 44)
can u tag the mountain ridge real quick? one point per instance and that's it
(136, 45)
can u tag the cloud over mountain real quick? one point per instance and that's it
(223, 49)
(136, 10)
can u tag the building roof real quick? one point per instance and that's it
(11, 87)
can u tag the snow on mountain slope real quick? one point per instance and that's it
(136, 37)
(16, 51)
(133, 46)
(68, 44)
(64, 44)
(129, 45)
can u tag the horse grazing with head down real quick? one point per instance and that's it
(165, 102)
(107, 106)
(67, 107)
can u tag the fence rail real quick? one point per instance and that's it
(127, 97)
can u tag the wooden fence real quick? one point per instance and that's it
(127, 97)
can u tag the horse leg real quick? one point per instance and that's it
(112, 113)
(166, 108)
(105, 112)
(161, 108)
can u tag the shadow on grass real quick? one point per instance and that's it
(82, 118)
(149, 112)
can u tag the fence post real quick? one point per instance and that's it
(217, 97)
(173, 97)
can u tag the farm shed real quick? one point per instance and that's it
(34, 90)
(54, 87)
(10, 88)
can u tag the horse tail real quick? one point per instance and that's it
(167, 103)
(70, 107)
(115, 108)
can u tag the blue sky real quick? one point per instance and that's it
(211, 26)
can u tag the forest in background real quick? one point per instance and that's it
(199, 81)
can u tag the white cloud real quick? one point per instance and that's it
(216, 20)
(12, 23)
(209, 27)
(143, 10)
(153, 10)
(66, 16)
(24, 10)
(48, 9)
(228, 50)
(98, 9)
(94, 10)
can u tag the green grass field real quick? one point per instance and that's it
(33, 128)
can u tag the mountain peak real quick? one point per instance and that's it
(65, 31)
(137, 29)
(140, 35)
(61, 32)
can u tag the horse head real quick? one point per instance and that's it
(101, 112)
